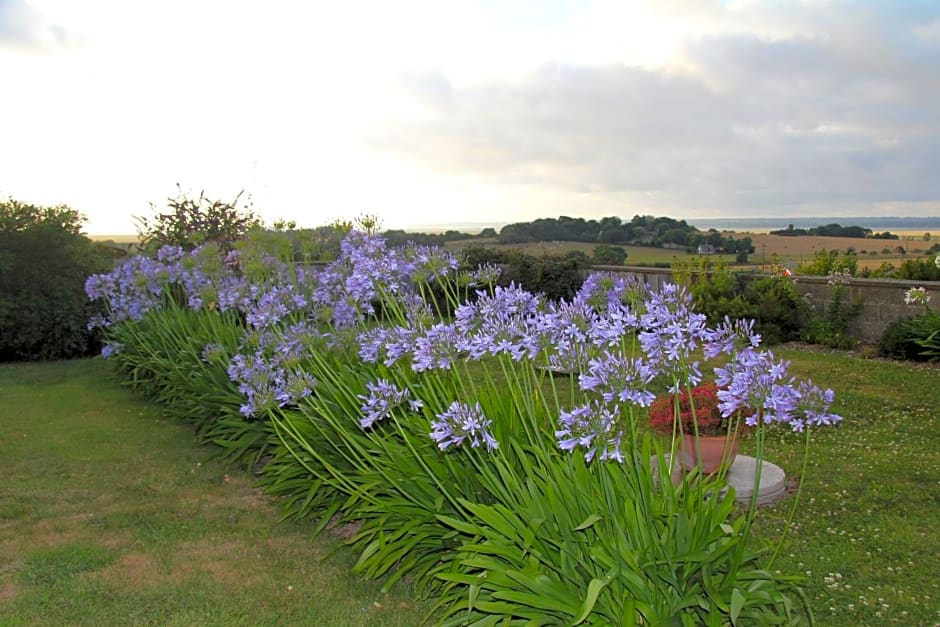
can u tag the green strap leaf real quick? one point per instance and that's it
(588, 522)
(737, 604)
(593, 591)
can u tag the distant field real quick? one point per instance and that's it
(642, 255)
(790, 251)
(117, 239)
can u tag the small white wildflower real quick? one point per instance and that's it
(936, 261)
(916, 295)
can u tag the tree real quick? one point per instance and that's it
(609, 255)
(44, 262)
(191, 222)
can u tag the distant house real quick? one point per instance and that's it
(706, 249)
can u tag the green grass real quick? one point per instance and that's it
(865, 532)
(112, 515)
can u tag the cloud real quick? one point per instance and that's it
(838, 114)
(22, 26)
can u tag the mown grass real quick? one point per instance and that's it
(111, 515)
(865, 532)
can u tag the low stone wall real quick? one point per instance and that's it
(882, 300)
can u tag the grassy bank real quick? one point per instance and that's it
(111, 515)
(864, 533)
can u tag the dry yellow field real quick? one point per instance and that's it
(870, 251)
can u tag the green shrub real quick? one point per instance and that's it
(897, 342)
(773, 302)
(44, 261)
(189, 222)
(609, 255)
(826, 262)
(830, 326)
(555, 276)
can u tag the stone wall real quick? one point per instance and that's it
(882, 300)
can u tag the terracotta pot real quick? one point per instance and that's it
(709, 452)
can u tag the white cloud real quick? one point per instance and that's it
(422, 111)
(22, 26)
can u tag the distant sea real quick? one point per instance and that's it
(759, 225)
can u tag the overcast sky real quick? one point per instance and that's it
(435, 112)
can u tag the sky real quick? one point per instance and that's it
(435, 112)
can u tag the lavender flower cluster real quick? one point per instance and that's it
(615, 335)
(518, 326)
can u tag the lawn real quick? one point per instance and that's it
(112, 515)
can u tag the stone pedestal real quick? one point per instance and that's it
(773, 481)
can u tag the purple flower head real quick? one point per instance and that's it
(594, 427)
(436, 349)
(383, 397)
(430, 263)
(673, 331)
(619, 378)
(110, 349)
(731, 337)
(275, 304)
(461, 422)
(213, 353)
(813, 407)
(501, 323)
(605, 291)
(169, 254)
(485, 274)
(269, 376)
(754, 382)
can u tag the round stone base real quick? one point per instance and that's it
(773, 481)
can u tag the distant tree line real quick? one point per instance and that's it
(397, 237)
(834, 230)
(660, 232)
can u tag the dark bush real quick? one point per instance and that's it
(609, 255)
(897, 342)
(773, 302)
(556, 277)
(782, 314)
(44, 261)
(189, 222)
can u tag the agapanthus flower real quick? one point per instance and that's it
(266, 383)
(435, 349)
(619, 378)
(672, 332)
(813, 407)
(498, 323)
(110, 349)
(755, 382)
(430, 263)
(838, 277)
(383, 397)
(606, 291)
(916, 296)
(485, 274)
(594, 427)
(275, 304)
(730, 337)
(462, 422)
(213, 352)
